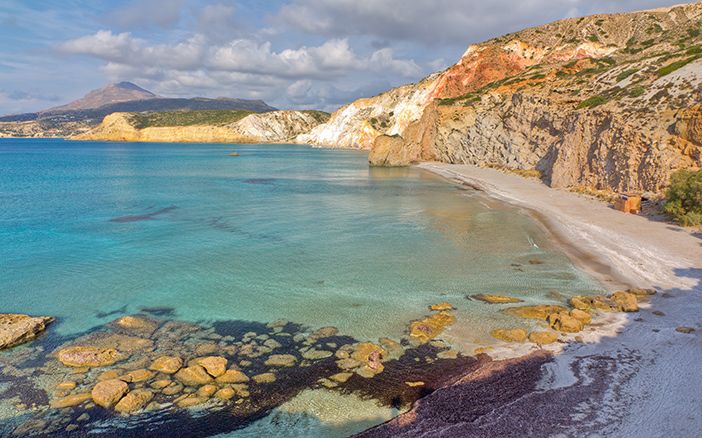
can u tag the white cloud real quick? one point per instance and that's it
(459, 22)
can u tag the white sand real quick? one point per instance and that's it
(656, 387)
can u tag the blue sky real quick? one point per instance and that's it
(290, 53)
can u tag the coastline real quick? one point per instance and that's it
(642, 380)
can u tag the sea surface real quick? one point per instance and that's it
(90, 231)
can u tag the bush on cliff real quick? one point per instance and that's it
(684, 197)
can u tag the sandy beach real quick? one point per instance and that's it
(645, 381)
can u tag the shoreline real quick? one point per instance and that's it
(640, 380)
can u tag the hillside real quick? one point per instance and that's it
(606, 101)
(222, 126)
(87, 112)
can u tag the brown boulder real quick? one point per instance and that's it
(564, 322)
(225, 394)
(625, 301)
(193, 376)
(134, 401)
(16, 329)
(509, 335)
(166, 364)
(232, 376)
(389, 151)
(543, 337)
(136, 376)
(108, 393)
(581, 315)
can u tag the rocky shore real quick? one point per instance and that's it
(640, 380)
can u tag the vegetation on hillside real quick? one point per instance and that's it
(684, 197)
(185, 118)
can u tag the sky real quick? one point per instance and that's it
(308, 54)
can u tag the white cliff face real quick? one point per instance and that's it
(356, 125)
(276, 126)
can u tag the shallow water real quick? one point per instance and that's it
(90, 231)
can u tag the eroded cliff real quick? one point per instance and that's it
(607, 101)
(214, 127)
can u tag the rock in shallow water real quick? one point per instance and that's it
(16, 329)
(108, 393)
(167, 364)
(543, 337)
(87, 356)
(134, 401)
(193, 376)
(509, 335)
(284, 360)
(493, 298)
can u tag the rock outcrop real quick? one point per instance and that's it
(269, 127)
(608, 101)
(16, 329)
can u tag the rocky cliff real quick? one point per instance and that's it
(606, 101)
(210, 126)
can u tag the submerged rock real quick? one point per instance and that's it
(509, 335)
(281, 360)
(137, 376)
(394, 349)
(137, 324)
(443, 306)
(540, 312)
(108, 393)
(267, 377)
(314, 354)
(16, 329)
(370, 357)
(87, 356)
(71, 400)
(167, 364)
(493, 298)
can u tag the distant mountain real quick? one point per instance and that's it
(88, 111)
(113, 93)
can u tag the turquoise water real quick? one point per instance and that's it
(283, 231)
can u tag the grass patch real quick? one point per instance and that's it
(670, 68)
(593, 38)
(592, 102)
(637, 91)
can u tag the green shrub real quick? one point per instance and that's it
(637, 91)
(591, 102)
(593, 38)
(693, 32)
(684, 197)
(626, 73)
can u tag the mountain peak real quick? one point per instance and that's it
(110, 94)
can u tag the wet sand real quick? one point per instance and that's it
(645, 381)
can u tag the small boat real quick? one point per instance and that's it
(234, 154)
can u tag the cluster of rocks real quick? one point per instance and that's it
(561, 319)
(140, 363)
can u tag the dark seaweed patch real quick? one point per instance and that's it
(143, 217)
